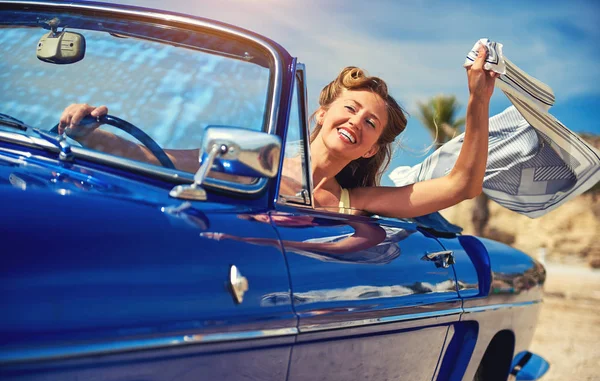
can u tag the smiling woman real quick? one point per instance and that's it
(376, 120)
(351, 147)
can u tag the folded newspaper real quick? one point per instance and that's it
(535, 163)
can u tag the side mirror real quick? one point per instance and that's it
(61, 47)
(234, 151)
(242, 152)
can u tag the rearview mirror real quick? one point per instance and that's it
(61, 47)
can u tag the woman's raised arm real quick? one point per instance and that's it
(464, 181)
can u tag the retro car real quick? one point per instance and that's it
(119, 269)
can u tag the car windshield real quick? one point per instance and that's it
(169, 81)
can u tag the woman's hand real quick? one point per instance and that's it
(481, 81)
(72, 116)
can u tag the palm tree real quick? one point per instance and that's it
(438, 115)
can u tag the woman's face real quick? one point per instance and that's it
(353, 123)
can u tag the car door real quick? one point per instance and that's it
(371, 305)
(139, 292)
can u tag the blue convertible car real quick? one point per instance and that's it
(118, 269)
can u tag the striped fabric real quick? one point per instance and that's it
(535, 163)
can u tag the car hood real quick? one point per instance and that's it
(31, 173)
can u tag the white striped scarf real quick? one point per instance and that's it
(535, 163)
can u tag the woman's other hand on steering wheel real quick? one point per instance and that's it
(481, 81)
(73, 115)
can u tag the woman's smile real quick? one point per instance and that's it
(346, 135)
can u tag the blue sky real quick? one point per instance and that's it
(419, 46)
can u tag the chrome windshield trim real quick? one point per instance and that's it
(11, 356)
(381, 320)
(492, 307)
(276, 84)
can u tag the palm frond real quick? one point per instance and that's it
(438, 115)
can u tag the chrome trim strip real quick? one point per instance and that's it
(11, 356)
(276, 86)
(397, 318)
(492, 307)
(381, 320)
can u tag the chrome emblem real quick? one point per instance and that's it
(238, 284)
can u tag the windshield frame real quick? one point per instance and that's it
(167, 19)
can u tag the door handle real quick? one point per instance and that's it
(440, 258)
(238, 284)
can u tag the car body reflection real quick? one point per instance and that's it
(358, 293)
(369, 243)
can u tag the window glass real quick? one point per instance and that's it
(294, 183)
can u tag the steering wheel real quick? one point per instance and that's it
(132, 130)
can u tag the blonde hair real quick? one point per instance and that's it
(364, 172)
